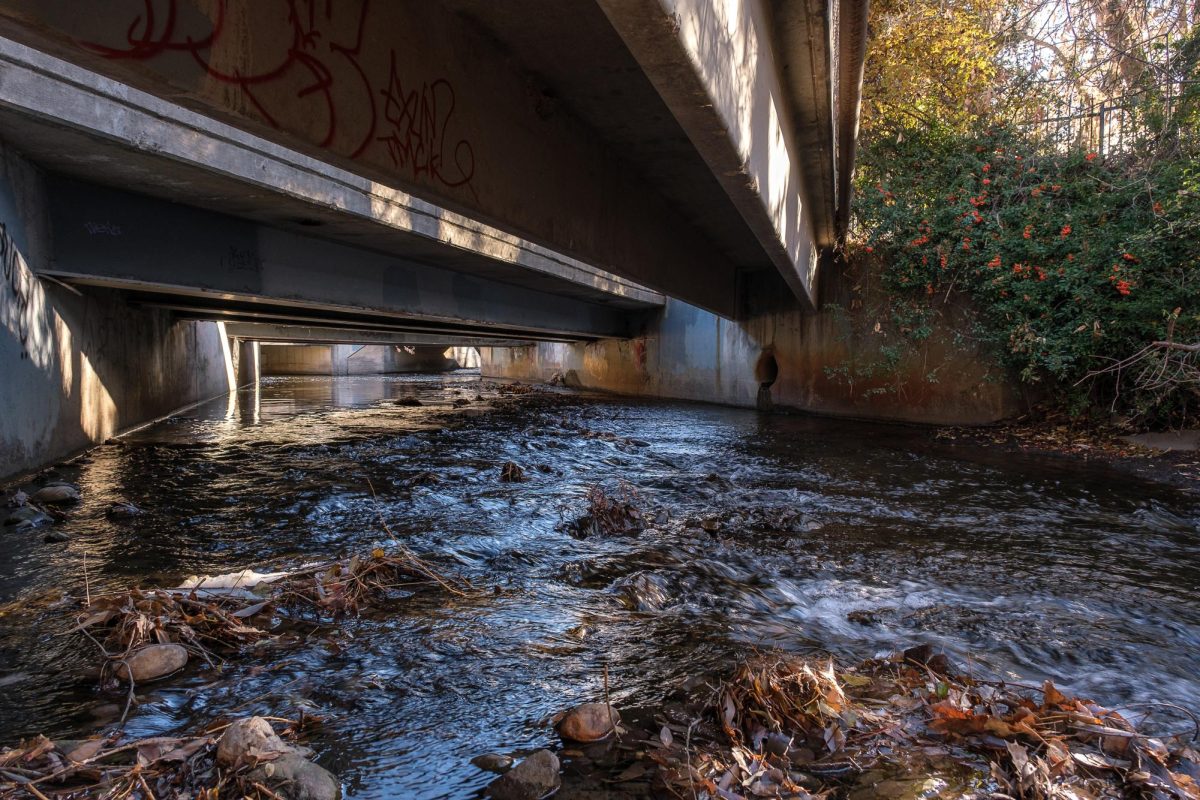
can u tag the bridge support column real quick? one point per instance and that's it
(76, 369)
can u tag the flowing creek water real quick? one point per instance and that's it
(827, 536)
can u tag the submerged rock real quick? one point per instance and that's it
(533, 778)
(27, 518)
(56, 493)
(153, 662)
(589, 722)
(123, 510)
(493, 762)
(56, 537)
(511, 472)
(643, 591)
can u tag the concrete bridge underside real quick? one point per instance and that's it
(643, 191)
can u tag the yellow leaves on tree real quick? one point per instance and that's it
(929, 62)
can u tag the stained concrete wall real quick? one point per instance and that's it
(311, 359)
(813, 362)
(74, 370)
(349, 359)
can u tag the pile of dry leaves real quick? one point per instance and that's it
(787, 727)
(211, 614)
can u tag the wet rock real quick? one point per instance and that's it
(56, 537)
(511, 473)
(460, 402)
(493, 762)
(589, 722)
(56, 493)
(286, 768)
(409, 401)
(533, 778)
(123, 510)
(153, 662)
(294, 776)
(711, 524)
(27, 518)
(248, 740)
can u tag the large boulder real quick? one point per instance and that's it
(589, 722)
(534, 778)
(152, 662)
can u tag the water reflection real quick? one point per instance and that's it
(797, 533)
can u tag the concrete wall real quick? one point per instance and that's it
(74, 370)
(723, 51)
(350, 359)
(309, 359)
(813, 362)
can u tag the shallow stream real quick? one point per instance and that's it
(804, 534)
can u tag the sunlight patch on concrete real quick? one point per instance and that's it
(97, 410)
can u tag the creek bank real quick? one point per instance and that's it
(1055, 435)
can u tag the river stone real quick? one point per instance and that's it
(56, 537)
(293, 776)
(26, 518)
(589, 722)
(154, 661)
(493, 762)
(535, 777)
(247, 740)
(122, 510)
(56, 493)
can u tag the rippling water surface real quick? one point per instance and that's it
(829, 536)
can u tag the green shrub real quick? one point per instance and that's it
(1071, 261)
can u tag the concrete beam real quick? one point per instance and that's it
(312, 334)
(714, 63)
(106, 113)
(111, 238)
(440, 134)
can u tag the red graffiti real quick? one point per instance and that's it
(322, 52)
(418, 120)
